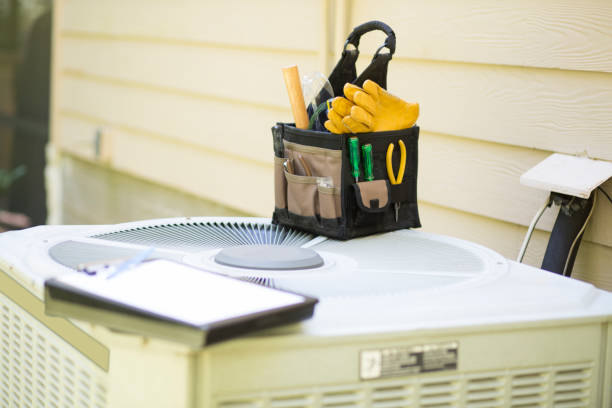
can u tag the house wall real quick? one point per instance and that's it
(7, 111)
(183, 94)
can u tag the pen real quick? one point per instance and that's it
(130, 263)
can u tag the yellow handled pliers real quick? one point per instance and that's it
(400, 173)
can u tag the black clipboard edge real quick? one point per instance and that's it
(65, 300)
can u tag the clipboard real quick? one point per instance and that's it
(174, 301)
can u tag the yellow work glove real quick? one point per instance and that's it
(340, 107)
(372, 109)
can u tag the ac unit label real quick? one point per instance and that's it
(397, 361)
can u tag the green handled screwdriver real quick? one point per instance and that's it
(368, 170)
(354, 156)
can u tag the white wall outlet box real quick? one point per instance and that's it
(576, 176)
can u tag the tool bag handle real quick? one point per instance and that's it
(364, 28)
(345, 70)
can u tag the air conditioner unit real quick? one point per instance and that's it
(405, 319)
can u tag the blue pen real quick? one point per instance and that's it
(133, 261)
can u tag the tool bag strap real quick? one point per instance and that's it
(345, 70)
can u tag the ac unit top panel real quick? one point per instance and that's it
(394, 281)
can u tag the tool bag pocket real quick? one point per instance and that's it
(372, 196)
(321, 194)
(312, 173)
(329, 202)
(280, 183)
(302, 194)
(314, 161)
(371, 206)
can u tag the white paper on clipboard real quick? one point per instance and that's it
(182, 293)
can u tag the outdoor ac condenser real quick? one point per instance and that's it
(405, 319)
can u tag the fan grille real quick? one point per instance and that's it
(198, 236)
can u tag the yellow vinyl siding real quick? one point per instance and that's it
(184, 94)
(243, 184)
(213, 124)
(563, 111)
(235, 75)
(268, 24)
(483, 178)
(543, 33)
(97, 193)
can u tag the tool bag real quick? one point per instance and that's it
(329, 201)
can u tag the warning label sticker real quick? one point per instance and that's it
(397, 361)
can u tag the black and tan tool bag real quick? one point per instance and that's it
(329, 201)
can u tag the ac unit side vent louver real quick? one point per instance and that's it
(241, 404)
(198, 236)
(492, 403)
(484, 392)
(38, 369)
(571, 388)
(438, 394)
(347, 398)
(529, 389)
(392, 396)
(518, 389)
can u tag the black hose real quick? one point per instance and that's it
(570, 222)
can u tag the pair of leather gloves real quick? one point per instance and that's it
(369, 109)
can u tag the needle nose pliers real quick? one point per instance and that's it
(400, 174)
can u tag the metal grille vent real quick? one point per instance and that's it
(529, 390)
(571, 387)
(392, 396)
(441, 394)
(198, 236)
(293, 401)
(484, 392)
(346, 397)
(39, 369)
(557, 386)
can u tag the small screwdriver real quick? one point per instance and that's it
(368, 173)
(354, 157)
